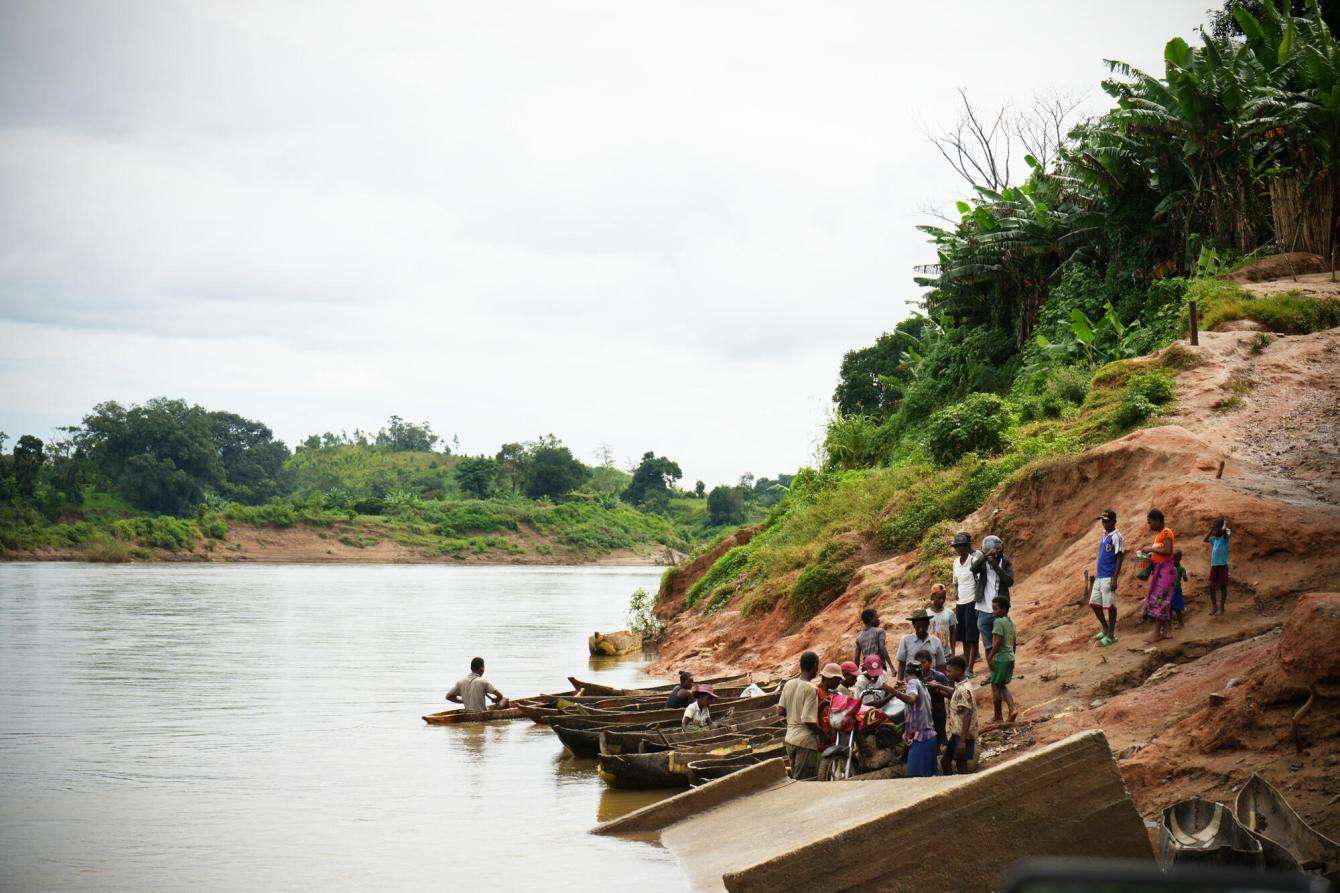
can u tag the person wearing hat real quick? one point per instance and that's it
(799, 703)
(943, 619)
(1103, 597)
(871, 685)
(474, 692)
(995, 576)
(965, 592)
(697, 716)
(917, 640)
(849, 674)
(681, 695)
(830, 677)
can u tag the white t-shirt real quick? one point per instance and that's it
(697, 715)
(991, 590)
(964, 580)
(864, 683)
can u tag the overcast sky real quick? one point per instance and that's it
(648, 225)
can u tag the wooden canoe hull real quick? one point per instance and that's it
(614, 644)
(455, 717)
(644, 740)
(596, 688)
(625, 716)
(582, 736)
(1266, 814)
(670, 768)
(1200, 832)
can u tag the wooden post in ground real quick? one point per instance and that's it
(1088, 587)
(1220, 473)
(1334, 251)
(1195, 325)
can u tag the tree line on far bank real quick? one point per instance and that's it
(167, 456)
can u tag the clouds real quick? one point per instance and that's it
(653, 226)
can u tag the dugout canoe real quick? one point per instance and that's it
(614, 644)
(670, 768)
(644, 740)
(596, 688)
(616, 702)
(455, 717)
(1266, 813)
(582, 735)
(710, 769)
(1200, 832)
(659, 714)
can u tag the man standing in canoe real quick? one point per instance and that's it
(474, 691)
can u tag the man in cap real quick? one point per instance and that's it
(849, 674)
(799, 703)
(1103, 597)
(917, 640)
(474, 691)
(965, 593)
(995, 576)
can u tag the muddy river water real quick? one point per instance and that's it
(257, 727)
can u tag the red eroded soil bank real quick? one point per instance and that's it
(1195, 714)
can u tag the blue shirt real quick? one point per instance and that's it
(1219, 550)
(1109, 548)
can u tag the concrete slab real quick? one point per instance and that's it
(953, 833)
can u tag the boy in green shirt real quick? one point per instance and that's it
(1000, 658)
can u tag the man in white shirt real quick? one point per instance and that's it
(474, 691)
(697, 716)
(965, 587)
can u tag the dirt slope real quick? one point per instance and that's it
(1279, 441)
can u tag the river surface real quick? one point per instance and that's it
(257, 727)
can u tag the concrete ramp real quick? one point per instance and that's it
(930, 834)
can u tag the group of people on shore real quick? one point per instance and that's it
(927, 679)
(1160, 563)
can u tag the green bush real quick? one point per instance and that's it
(1070, 383)
(823, 580)
(214, 526)
(161, 531)
(723, 571)
(1142, 398)
(976, 425)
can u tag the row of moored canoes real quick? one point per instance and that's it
(637, 741)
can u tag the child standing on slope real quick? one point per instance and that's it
(943, 620)
(1001, 657)
(1218, 538)
(1103, 598)
(1178, 606)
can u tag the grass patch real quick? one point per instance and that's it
(107, 550)
(1289, 312)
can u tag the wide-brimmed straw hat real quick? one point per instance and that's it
(919, 614)
(831, 671)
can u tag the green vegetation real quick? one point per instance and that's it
(171, 478)
(1053, 303)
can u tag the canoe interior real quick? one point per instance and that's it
(1265, 812)
(1202, 832)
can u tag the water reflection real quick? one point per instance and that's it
(258, 727)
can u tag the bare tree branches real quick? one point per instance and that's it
(977, 145)
(981, 143)
(1042, 128)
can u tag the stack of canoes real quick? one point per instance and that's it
(1261, 831)
(580, 732)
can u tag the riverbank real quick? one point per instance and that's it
(365, 541)
(1252, 435)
